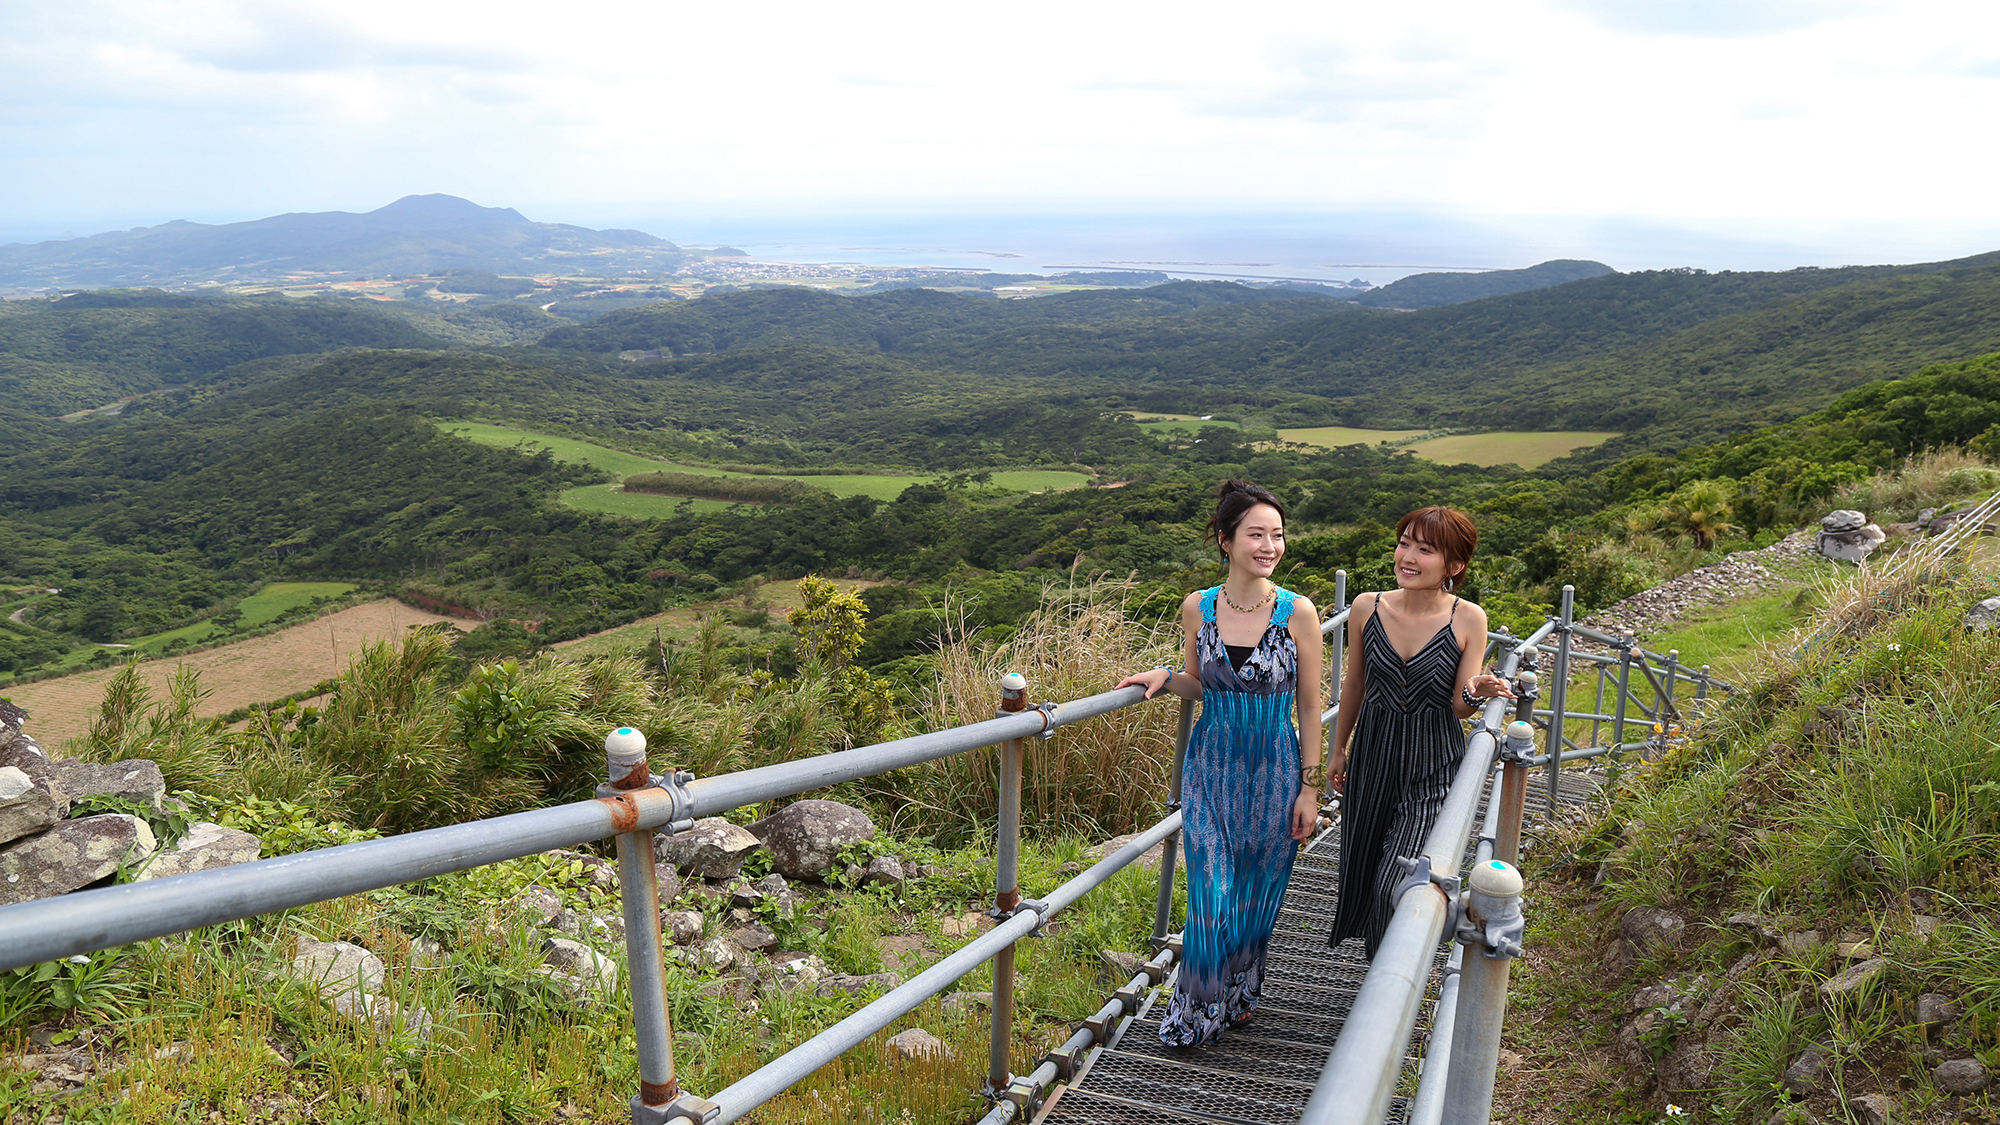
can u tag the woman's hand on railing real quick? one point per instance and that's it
(1152, 680)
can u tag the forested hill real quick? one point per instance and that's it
(415, 234)
(85, 350)
(1428, 290)
(1675, 356)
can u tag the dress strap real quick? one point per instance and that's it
(1208, 603)
(1454, 613)
(1281, 614)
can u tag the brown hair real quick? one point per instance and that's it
(1233, 500)
(1446, 529)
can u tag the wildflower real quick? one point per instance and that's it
(1895, 647)
(1675, 1111)
(77, 959)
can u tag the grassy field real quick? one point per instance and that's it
(1524, 449)
(1180, 423)
(260, 608)
(1333, 437)
(774, 598)
(611, 500)
(881, 486)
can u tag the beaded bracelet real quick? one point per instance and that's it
(1471, 700)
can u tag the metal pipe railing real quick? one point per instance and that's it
(771, 1079)
(52, 928)
(1361, 1074)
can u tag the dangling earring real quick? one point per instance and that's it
(1449, 584)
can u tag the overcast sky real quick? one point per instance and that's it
(1838, 120)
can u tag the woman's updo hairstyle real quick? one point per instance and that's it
(1233, 501)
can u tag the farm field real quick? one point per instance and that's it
(1179, 423)
(881, 486)
(263, 606)
(613, 500)
(253, 671)
(1333, 437)
(1524, 449)
(776, 598)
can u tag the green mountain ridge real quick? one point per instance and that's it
(415, 234)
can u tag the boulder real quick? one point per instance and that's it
(1935, 1009)
(777, 891)
(805, 838)
(71, 855)
(798, 971)
(134, 779)
(883, 871)
(1647, 929)
(681, 927)
(25, 808)
(205, 845)
(1115, 967)
(1803, 1076)
(667, 880)
(599, 929)
(23, 754)
(1798, 944)
(859, 985)
(1849, 546)
(718, 955)
(1843, 519)
(1983, 616)
(754, 938)
(1854, 979)
(539, 905)
(1148, 858)
(1960, 1076)
(712, 849)
(965, 1003)
(336, 967)
(385, 1014)
(916, 1043)
(580, 961)
(1869, 1109)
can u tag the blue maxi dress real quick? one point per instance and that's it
(1238, 786)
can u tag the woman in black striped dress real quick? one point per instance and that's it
(1413, 677)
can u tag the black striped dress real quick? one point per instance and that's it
(1405, 746)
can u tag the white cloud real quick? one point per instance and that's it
(1727, 111)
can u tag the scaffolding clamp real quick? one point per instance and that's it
(1048, 712)
(674, 784)
(684, 1108)
(1417, 873)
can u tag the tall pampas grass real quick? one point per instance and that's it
(1100, 777)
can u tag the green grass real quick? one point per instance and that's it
(1726, 636)
(608, 499)
(1524, 449)
(597, 498)
(1185, 425)
(1333, 437)
(260, 608)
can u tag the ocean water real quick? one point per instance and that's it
(1372, 247)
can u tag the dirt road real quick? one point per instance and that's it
(253, 671)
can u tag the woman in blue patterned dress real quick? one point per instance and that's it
(1398, 739)
(1250, 785)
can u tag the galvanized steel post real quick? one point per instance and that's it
(639, 891)
(1624, 693)
(1490, 919)
(1339, 635)
(1557, 693)
(1163, 907)
(1006, 887)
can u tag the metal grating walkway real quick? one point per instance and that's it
(1264, 1072)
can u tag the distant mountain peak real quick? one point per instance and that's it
(438, 210)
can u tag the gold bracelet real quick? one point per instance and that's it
(1313, 775)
